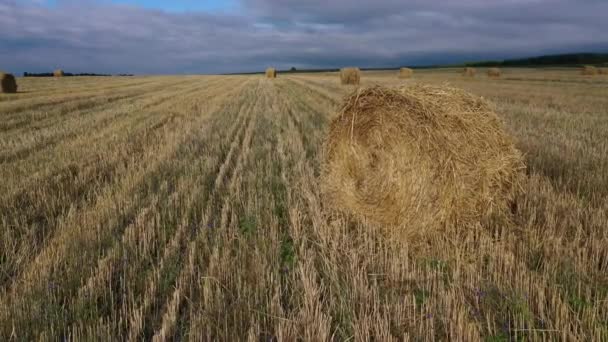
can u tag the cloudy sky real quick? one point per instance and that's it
(218, 36)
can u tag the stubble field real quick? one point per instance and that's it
(189, 208)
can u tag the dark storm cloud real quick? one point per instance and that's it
(103, 37)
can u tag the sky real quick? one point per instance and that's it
(214, 36)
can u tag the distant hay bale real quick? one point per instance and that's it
(405, 73)
(589, 70)
(271, 73)
(494, 72)
(8, 84)
(469, 72)
(419, 160)
(58, 73)
(603, 71)
(350, 76)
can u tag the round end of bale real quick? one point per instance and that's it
(420, 160)
(58, 73)
(469, 72)
(350, 76)
(8, 84)
(405, 73)
(271, 73)
(494, 72)
(589, 70)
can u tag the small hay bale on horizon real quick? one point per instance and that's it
(58, 73)
(494, 72)
(271, 73)
(350, 76)
(419, 160)
(589, 70)
(469, 72)
(8, 84)
(405, 73)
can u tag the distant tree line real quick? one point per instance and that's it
(293, 70)
(573, 59)
(67, 74)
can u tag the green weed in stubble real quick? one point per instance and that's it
(247, 225)
(288, 253)
(421, 296)
(501, 337)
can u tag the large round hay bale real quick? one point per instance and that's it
(58, 73)
(8, 84)
(469, 72)
(589, 70)
(350, 76)
(420, 159)
(494, 72)
(405, 73)
(271, 73)
(603, 71)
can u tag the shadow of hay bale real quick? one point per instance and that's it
(420, 159)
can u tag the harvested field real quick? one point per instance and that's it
(189, 208)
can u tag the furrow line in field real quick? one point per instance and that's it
(101, 118)
(101, 135)
(46, 269)
(307, 95)
(134, 311)
(328, 92)
(13, 109)
(173, 306)
(47, 216)
(147, 132)
(134, 233)
(140, 315)
(58, 87)
(105, 263)
(135, 193)
(109, 170)
(42, 119)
